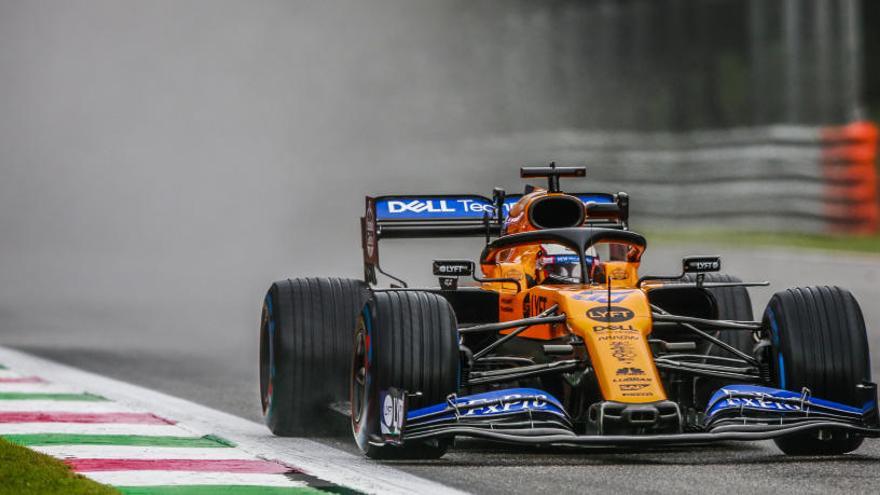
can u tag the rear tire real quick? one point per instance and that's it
(407, 340)
(733, 303)
(305, 346)
(819, 342)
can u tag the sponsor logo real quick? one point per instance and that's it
(610, 314)
(453, 268)
(512, 274)
(388, 410)
(392, 412)
(565, 259)
(370, 232)
(418, 206)
(629, 387)
(618, 274)
(615, 328)
(450, 206)
(474, 206)
(631, 379)
(508, 403)
(705, 265)
(702, 264)
(760, 404)
(630, 371)
(533, 305)
(602, 296)
(623, 352)
(759, 401)
(618, 336)
(636, 394)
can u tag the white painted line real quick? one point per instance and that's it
(71, 406)
(9, 374)
(94, 429)
(149, 478)
(135, 452)
(39, 388)
(314, 458)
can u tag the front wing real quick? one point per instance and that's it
(535, 417)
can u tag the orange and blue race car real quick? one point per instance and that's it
(558, 340)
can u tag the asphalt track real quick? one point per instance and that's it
(210, 371)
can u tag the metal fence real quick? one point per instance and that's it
(779, 178)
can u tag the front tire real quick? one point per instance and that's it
(305, 343)
(819, 342)
(407, 340)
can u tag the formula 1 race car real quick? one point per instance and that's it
(559, 341)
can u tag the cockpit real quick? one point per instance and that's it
(555, 257)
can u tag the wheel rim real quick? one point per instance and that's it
(359, 373)
(267, 368)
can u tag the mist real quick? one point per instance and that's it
(162, 162)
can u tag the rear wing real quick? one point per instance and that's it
(461, 215)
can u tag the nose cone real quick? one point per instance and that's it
(615, 331)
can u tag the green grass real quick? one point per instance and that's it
(853, 243)
(26, 471)
(35, 439)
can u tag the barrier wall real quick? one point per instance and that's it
(849, 163)
(782, 178)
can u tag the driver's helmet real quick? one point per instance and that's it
(562, 264)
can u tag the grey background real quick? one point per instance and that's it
(161, 162)
(164, 160)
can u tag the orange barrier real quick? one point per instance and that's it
(849, 165)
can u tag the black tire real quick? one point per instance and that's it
(734, 303)
(819, 342)
(305, 347)
(407, 340)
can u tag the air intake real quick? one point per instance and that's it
(555, 212)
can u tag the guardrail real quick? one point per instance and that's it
(785, 178)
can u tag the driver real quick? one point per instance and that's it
(559, 265)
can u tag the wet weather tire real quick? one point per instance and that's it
(306, 333)
(733, 303)
(407, 340)
(819, 342)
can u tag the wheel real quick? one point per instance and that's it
(407, 340)
(734, 303)
(819, 342)
(305, 346)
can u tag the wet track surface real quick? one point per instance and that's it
(218, 368)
